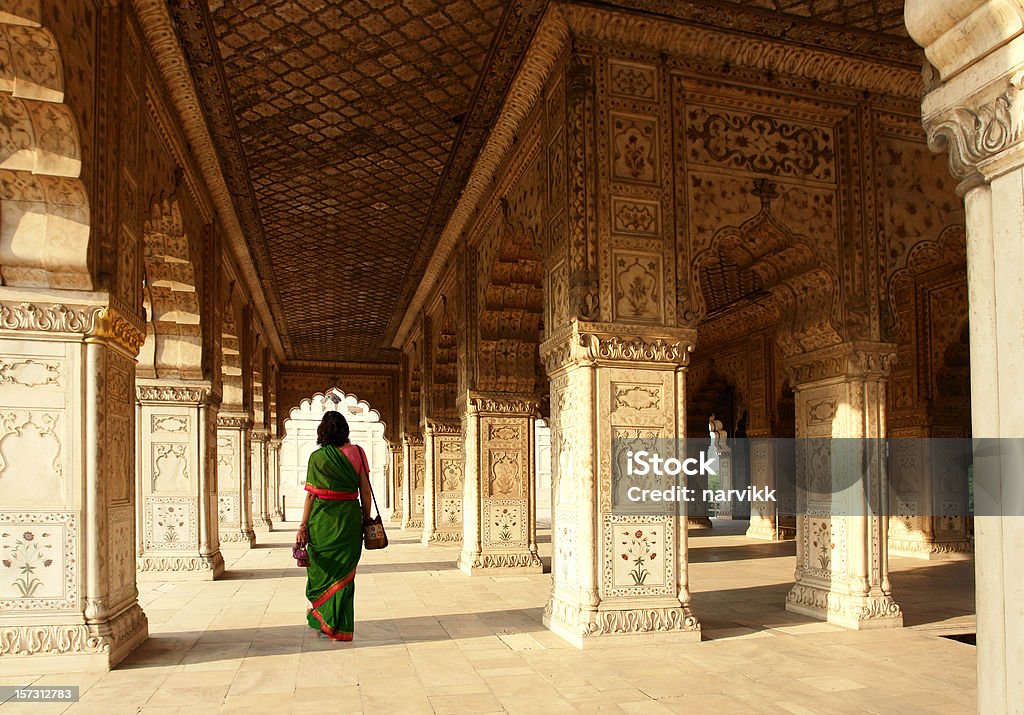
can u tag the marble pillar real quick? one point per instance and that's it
(68, 598)
(397, 481)
(412, 482)
(618, 572)
(842, 570)
(442, 492)
(276, 503)
(177, 483)
(261, 520)
(972, 109)
(499, 532)
(234, 485)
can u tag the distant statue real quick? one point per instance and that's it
(721, 454)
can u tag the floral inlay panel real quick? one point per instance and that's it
(38, 561)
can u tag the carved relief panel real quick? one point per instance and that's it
(35, 431)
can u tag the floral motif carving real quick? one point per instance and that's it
(636, 217)
(760, 143)
(634, 154)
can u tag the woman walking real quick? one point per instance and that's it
(337, 505)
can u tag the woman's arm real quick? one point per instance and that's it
(303, 533)
(365, 493)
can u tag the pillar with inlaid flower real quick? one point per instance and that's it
(616, 569)
(842, 570)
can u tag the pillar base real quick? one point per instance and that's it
(608, 627)
(767, 532)
(277, 515)
(921, 547)
(262, 523)
(851, 611)
(442, 538)
(179, 568)
(499, 564)
(238, 538)
(698, 522)
(412, 524)
(74, 647)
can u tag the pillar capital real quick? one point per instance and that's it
(96, 317)
(594, 343)
(849, 360)
(185, 392)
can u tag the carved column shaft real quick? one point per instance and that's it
(412, 482)
(68, 601)
(976, 113)
(178, 482)
(442, 502)
(499, 529)
(234, 486)
(261, 519)
(274, 480)
(397, 482)
(616, 569)
(842, 572)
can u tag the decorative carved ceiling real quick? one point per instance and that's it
(347, 128)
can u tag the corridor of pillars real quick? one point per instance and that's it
(652, 208)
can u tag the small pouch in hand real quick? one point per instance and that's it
(300, 554)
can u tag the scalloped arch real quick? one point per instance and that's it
(44, 237)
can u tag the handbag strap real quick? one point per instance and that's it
(362, 453)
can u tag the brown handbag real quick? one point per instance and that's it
(373, 529)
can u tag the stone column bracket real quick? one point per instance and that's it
(593, 343)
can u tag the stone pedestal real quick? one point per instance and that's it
(442, 493)
(68, 600)
(499, 511)
(177, 483)
(619, 574)
(274, 480)
(842, 571)
(261, 520)
(234, 488)
(412, 482)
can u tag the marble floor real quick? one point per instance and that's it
(431, 640)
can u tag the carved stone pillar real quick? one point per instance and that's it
(68, 600)
(770, 520)
(842, 571)
(234, 486)
(274, 480)
(615, 571)
(177, 485)
(499, 509)
(397, 482)
(261, 520)
(442, 493)
(412, 481)
(974, 109)
(928, 498)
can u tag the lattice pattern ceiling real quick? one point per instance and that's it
(347, 113)
(338, 125)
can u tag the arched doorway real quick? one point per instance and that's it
(300, 441)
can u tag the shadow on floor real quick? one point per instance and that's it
(212, 645)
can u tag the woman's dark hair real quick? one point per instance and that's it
(333, 430)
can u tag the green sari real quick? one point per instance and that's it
(335, 542)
